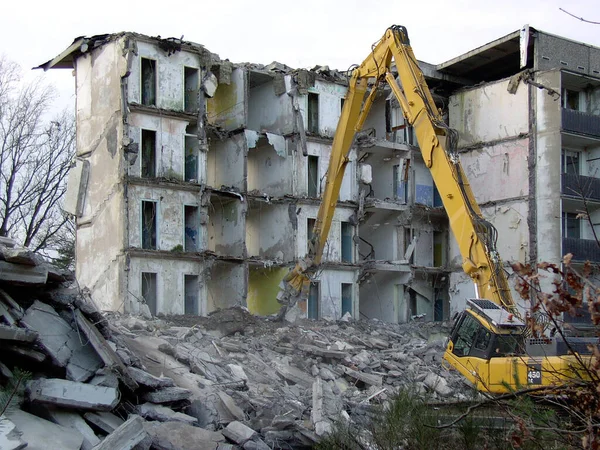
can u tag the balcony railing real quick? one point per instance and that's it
(579, 186)
(580, 122)
(582, 249)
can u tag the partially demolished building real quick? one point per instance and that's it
(197, 181)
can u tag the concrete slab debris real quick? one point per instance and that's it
(69, 419)
(71, 394)
(167, 395)
(19, 255)
(106, 421)
(180, 436)
(146, 379)
(373, 380)
(42, 434)
(164, 414)
(10, 436)
(126, 437)
(17, 334)
(238, 432)
(231, 406)
(21, 274)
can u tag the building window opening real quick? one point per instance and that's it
(148, 82)
(347, 242)
(342, 100)
(310, 226)
(438, 249)
(191, 294)
(313, 113)
(191, 230)
(149, 225)
(313, 301)
(570, 162)
(149, 291)
(313, 176)
(190, 100)
(571, 226)
(570, 99)
(148, 154)
(191, 159)
(346, 298)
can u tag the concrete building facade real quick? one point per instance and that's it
(197, 181)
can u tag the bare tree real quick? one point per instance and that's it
(35, 156)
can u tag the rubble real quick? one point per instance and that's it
(227, 381)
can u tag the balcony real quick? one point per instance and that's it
(580, 122)
(582, 249)
(579, 186)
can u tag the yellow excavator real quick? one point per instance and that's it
(490, 343)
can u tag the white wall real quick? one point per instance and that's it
(331, 292)
(330, 96)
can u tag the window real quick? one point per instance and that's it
(313, 176)
(313, 301)
(347, 242)
(148, 82)
(571, 226)
(191, 294)
(190, 98)
(313, 113)
(149, 224)
(310, 226)
(466, 335)
(570, 99)
(342, 100)
(149, 291)
(438, 249)
(570, 162)
(191, 229)
(346, 298)
(148, 154)
(191, 158)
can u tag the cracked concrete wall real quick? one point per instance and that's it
(170, 142)
(269, 232)
(383, 175)
(100, 234)
(268, 112)
(269, 171)
(226, 285)
(330, 106)
(489, 113)
(226, 226)
(548, 169)
(170, 216)
(170, 75)
(226, 162)
(333, 248)
(170, 290)
(228, 107)
(330, 292)
(381, 231)
(349, 188)
(423, 253)
(382, 296)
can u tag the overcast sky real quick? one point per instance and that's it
(299, 33)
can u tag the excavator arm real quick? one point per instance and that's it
(476, 237)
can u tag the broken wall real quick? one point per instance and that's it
(169, 73)
(263, 287)
(330, 106)
(269, 232)
(227, 109)
(270, 165)
(548, 169)
(170, 216)
(267, 111)
(226, 226)
(226, 284)
(170, 284)
(381, 231)
(226, 162)
(382, 296)
(489, 113)
(100, 229)
(330, 292)
(333, 248)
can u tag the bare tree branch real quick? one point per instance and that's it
(579, 18)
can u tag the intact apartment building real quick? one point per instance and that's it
(197, 181)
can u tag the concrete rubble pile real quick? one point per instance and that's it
(80, 379)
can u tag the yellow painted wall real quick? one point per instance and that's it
(263, 286)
